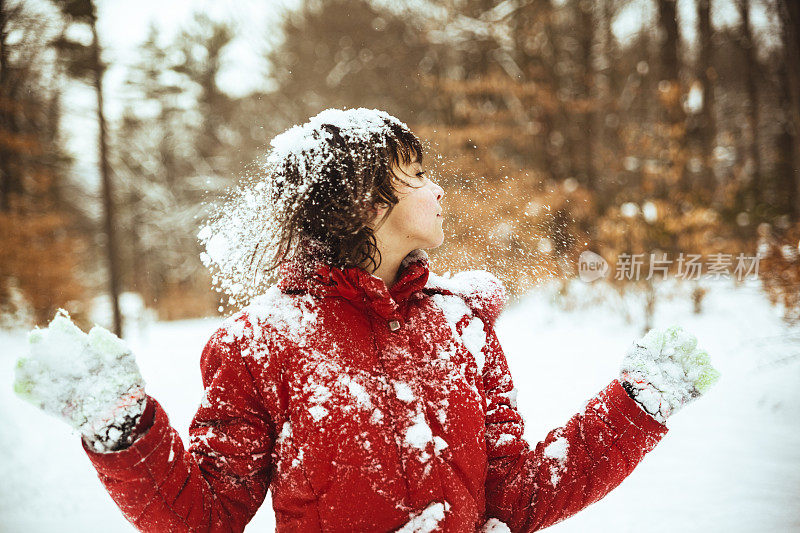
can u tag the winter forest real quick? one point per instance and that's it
(551, 133)
(655, 140)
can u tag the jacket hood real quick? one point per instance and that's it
(483, 292)
(364, 290)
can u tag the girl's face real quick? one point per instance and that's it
(416, 220)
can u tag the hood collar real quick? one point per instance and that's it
(362, 289)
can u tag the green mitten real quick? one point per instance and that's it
(665, 370)
(90, 381)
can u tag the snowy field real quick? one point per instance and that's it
(731, 461)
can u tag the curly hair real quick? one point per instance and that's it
(312, 200)
(330, 220)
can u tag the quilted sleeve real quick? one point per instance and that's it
(221, 480)
(531, 488)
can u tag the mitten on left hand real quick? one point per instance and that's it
(92, 381)
(664, 370)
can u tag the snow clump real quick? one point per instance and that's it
(247, 226)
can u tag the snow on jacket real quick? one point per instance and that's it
(364, 408)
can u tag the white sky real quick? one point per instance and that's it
(124, 25)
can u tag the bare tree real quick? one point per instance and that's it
(751, 75)
(8, 184)
(706, 76)
(38, 245)
(586, 86)
(86, 64)
(790, 37)
(669, 84)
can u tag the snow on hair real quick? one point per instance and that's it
(308, 200)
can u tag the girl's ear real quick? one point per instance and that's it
(376, 210)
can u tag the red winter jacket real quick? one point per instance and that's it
(367, 409)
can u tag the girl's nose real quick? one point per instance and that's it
(438, 191)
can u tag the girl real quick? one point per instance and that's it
(366, 392)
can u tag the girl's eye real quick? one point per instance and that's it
(420, 173)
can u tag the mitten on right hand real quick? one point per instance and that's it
(90, 381)
(664, 370)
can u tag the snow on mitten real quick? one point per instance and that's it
(664, 370)
(90, 381)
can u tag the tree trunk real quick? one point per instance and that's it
(790, 36)
(706, 76)
(105, 174)
(587, 82)
(756, 184)
(669, 39)
(669, 91)
(537, 67)
(608, 114)
(8, 182)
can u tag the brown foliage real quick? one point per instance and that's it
(779, 268)
(522, 227)
(187, 300)
(39, 256)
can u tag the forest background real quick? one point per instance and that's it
(649, 129)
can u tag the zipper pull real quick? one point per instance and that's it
(394, 325)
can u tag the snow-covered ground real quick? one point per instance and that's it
(731, 461)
